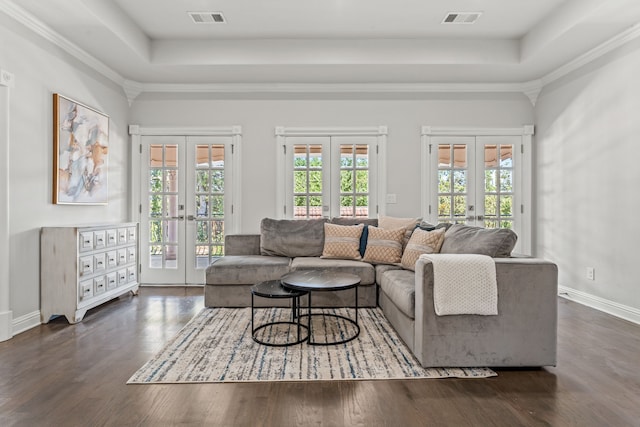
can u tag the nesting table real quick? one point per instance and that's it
(311, 281)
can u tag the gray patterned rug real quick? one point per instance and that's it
(216, 346)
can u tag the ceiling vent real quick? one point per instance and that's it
(207, 17)
(461, 17)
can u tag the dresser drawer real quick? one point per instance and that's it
(99, 285)
(86, 265)
(112, 280)
(86, 289)
(112, 237)
(86, 241)
(99, 239)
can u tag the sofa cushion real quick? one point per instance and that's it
(342, 241)
(464, 239)
(365, 271)
(400, 287)
(246, 269)
(381, 268)
(384, 246)
(292, 238)
(421, 242)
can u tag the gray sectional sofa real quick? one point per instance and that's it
(523, 334)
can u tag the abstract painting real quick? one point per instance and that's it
(81, 153)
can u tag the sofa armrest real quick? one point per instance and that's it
(523, 333)
(242, 244)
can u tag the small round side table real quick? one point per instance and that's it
(274, 289)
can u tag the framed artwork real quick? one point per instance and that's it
(80, 153)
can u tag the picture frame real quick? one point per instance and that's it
(80, 153)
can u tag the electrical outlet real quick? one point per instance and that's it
(591, 273)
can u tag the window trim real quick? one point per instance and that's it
(282, 132)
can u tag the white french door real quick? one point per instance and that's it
(185, 205)
(480, 181)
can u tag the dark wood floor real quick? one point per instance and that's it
(74, 375)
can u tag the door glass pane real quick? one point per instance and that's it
(490, 156)
(444, 181)
(459, 156)
(307, 181)
(459, 181)
(171, 256)
(506, 156)
(498, 185)
(354, 180)
(163, 202)
(506, 181)
(452, 182)
(202, 156)
(490, 204)
(171, 231)
(444, 155)
(202, 232)
(171, 156)
(202, 181)
(346, 181)
(217, 181)
(209, 203)
(155, 155)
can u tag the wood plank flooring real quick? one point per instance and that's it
(74, 375)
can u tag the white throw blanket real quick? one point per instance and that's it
(464, 284)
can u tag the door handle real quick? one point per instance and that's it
(190, 217)
(179, 217)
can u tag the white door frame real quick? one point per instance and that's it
(524, 211)
(137, 132)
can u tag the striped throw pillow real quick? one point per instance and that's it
(384, 246)
(342, 241)
(422, 242)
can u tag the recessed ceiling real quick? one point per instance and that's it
(332, 42)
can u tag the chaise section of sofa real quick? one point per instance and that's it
(523, 334)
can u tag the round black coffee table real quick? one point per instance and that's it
(274, 289)
(321, 281)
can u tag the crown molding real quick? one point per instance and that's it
(47, 33)
(615, 42)
(331, 87)
(133, 89)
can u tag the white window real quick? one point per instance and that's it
(479, 177)
(332, 172)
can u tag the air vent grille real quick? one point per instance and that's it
(207, 17)
(461, 17)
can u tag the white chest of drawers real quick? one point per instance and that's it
(83, 267)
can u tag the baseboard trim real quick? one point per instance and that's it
(26, 322)
(5, 325)
(610, 307)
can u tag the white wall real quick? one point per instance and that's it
(40, 69)
(259, 118)
(587, 174)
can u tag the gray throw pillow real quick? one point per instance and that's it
(292, 238)
(464, 239)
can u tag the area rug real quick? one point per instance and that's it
(216, 346)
